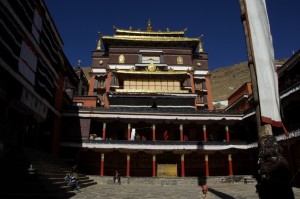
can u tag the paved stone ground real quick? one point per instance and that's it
(216, 191)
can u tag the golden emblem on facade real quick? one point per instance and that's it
(121, 59)
(151, 67)
(179, 60)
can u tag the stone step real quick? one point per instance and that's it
(44, 180)
(33, 195)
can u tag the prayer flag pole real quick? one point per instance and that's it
(273, 176)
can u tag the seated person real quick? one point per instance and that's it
(166, 135)
(138, 137)
(185, 138)
(74, 183)
(67, 179)
(91, 137)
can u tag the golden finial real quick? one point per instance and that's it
(149, 27)
(200, 45)
(115, 27)
(168, 30)
(99, 43)
(78, 63)
(130, 28)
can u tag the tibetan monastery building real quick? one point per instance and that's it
(149, 112)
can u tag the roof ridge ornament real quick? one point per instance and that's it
(200, 45)
(149, 27)
(99, 43)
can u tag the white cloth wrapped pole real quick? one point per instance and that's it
(132, 134)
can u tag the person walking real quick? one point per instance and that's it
(117, 177)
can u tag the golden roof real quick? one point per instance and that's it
(149, 38)
(149, 31)
(139, 32)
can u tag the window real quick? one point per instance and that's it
(151, 59)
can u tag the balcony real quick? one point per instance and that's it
(159, 145)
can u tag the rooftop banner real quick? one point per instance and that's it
(263, 57)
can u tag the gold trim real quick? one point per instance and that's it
(150, 91)
(150, 38)
(130, 31)
(157, 72)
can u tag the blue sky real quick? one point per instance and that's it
(79, 22)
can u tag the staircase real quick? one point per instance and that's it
(35, 174)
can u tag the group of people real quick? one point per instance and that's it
(71, 179)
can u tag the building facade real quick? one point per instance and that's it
(36, 78)
(289, 90)
(149, 111)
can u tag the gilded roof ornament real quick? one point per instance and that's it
(99, 43)
(149, 27)
(200, 45)
(184, 30)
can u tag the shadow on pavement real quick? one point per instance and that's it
(220, 194)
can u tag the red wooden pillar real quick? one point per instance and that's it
(209, 93)
(204, 133)
(153, 165)
(230, 165)
(181, 132)
(227, 134)
(102, 165)
(107, 89)
(128, 131)
(104, 131)
(153, 132)
(206, 166)
(182, 166)
(128, 166)
(92, 84)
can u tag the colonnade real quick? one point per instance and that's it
(182, 154)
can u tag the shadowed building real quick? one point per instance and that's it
(36, 78)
